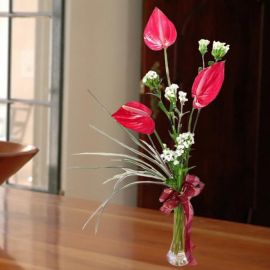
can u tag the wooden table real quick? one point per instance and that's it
(41, 231)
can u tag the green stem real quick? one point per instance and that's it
(178, 242)
(190, 120)
(196, 120)
(203, 63)
(167, 67)
(174, 128)
(163, 108)
(159, 140)
(180, 114)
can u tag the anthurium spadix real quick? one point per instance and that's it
(159, 32)
(207, 85)
(135, 116)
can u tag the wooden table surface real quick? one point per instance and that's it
(41, 231)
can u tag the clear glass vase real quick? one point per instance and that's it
(176, 255)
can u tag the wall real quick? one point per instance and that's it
(102, 53)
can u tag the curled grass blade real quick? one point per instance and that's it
(94, 168)
(158, 157)
(102, 207)
(120, 155)
(150, 170)
(130, 173)
(154, 161)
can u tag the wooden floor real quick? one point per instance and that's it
(40, 231)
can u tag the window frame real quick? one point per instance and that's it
(56, 87)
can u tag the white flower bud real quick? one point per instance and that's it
(203, 43)
(151, 79)
(176, 162)
(182, 97)
(171, 91)
(185, 140)
(219, 49)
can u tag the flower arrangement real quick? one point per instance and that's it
(169, 166)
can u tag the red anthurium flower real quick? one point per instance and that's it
(207, 85)
(159, 32)
(135, 116)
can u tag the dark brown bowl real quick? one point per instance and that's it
(13, 156)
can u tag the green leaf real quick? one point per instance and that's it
(190, 168)
(170, 182)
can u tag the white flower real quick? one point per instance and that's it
(150, 75)
(171, 91)
(167, 154)
(220, 46)
(185, 140)
(179, 152)
(203, 43)
(176, 162)
(219, 49)
(182, 97)
(151, 79)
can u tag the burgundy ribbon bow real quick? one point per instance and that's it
(171, 199)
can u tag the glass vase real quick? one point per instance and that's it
(176, 255)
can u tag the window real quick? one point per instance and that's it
(30, 86)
